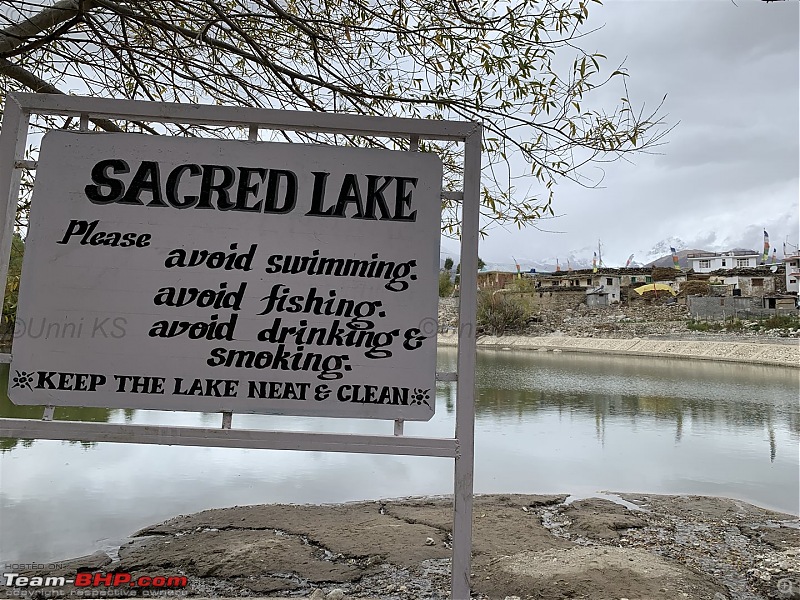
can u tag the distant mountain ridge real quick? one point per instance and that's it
(666, 261)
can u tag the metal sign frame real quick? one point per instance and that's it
(20, 107)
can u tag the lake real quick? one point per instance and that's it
(545, 423)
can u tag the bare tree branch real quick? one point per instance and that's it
(37, 85)
(61, 11)
(495, 61)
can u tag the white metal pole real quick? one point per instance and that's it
(13, 137)
(465, 391)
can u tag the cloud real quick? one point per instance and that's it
(731, 75)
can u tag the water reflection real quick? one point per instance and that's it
(670, 392)
(66, 413)
(545, 423)
(522, 384)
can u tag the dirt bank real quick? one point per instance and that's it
(532, 547)
(637, 321)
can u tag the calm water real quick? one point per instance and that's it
(545, 423)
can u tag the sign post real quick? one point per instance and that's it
(206, 275)
(239, 276)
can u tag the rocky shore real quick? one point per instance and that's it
(543, 547)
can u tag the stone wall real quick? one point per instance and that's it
(748, 289)
(729, 307)
(746, 284)
(552, 298)
(765, 354)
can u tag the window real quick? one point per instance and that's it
(648, 279)
(758, 282)
(793, 281)
(724, 264)
(704, 264)
(633, 279)
(742, 262)
(609, 281)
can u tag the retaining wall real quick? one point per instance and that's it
(763, 354)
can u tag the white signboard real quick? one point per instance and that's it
(205, 275)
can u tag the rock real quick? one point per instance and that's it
(317, 595)
(336, 594)
(430, 542)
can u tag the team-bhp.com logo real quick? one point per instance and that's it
(96, 580)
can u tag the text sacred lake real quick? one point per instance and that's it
(545, 423)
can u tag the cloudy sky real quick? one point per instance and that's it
(730, 168)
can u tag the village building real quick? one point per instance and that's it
(608, 285)
(597, 297)
(601, 288)
(746, 282)
(706, 262)
(495, 280)
(555, 298)
(637, 278)
(792, 263)
(714, 293)
(780, 302)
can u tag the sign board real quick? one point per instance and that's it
(206, 275)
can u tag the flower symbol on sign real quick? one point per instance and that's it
(420, 396)
(22, 379)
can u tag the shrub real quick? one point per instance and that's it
(522, 284)
(12, 285)
(703, 326)
(780, 322)
(734, 325)
(501, 312)
(445, 285)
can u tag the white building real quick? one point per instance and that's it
(706, 262)
(792, 273)
(605, 285)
